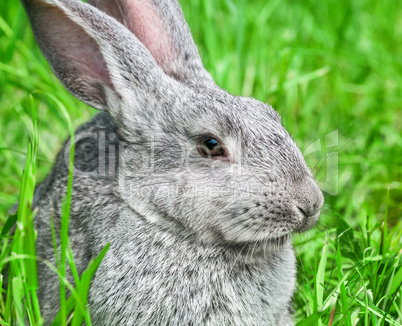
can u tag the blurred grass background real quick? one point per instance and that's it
(326, 66)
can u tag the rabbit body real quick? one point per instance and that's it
(196, 190)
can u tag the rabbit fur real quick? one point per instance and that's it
(194, 240)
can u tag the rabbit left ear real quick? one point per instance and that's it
(97, 59)
(73, 54)
(161, 27)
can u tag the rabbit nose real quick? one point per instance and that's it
(311, 202)
(310, 211)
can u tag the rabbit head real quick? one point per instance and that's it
(196, 159)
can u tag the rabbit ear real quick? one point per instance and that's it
(161, 27)
(94, 56)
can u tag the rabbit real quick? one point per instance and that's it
(197, 191)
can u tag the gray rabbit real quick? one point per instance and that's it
(196, 190)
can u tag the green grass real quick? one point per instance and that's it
(333, 69)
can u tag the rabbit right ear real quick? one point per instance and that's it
(161, 27)
(97, 59)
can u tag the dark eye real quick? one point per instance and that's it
(209, 147)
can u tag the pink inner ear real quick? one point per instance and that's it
(84, 52)
(142, 18)
(67, 40)
(74, 56)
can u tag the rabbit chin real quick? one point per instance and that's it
(263, 238)
(250, 238)
(254, 234)
(263, 249)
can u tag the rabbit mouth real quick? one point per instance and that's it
(307, 223)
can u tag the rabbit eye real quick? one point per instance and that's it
(210, 147)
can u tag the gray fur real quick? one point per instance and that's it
(194, 240)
